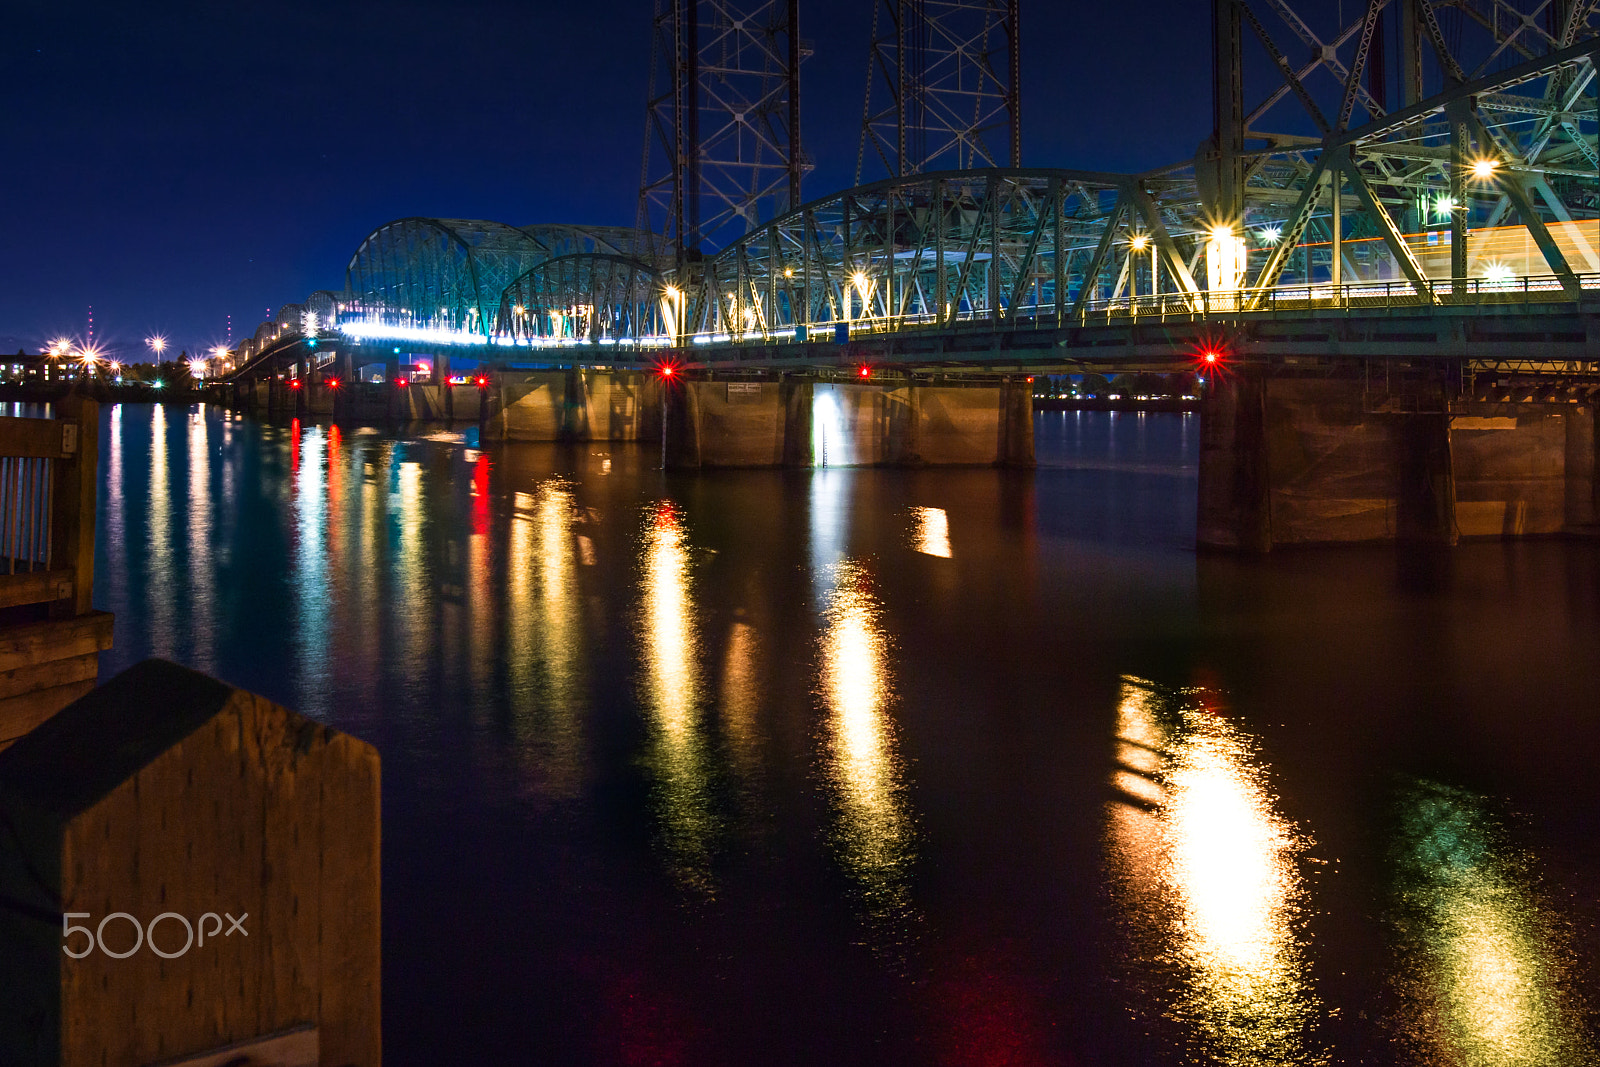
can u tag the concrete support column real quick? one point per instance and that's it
(1235, 505)
(272, 389)
(391, 391)
(797, 395)
(574, 412)
(305, 387)
(1016, 423)
(904, 447)
(441, 373)
(1583, 469)
(1425, 489)
(680, 426)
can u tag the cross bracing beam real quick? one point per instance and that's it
(1015, 248)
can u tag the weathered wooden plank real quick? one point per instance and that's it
(20, 681)
(20, 714)
(40, 642)
(32, 438)
(35, 587)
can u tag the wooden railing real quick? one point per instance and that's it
(47, 497)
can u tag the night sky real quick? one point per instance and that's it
(175, 164)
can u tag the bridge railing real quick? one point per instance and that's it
(47, 490)
(1361, 295)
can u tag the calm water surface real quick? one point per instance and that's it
(890, 767)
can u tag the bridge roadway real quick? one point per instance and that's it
(1350, 416)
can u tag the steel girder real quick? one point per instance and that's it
(1478, 165)
(449, 274)
(583, 297)
(722, 138)
(943, 87)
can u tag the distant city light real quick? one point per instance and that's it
(197, 368)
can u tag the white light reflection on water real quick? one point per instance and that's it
(672, 692)
(160, 596)
(1206, 873)
(930, 531)
(412, 605)
(116, 506)
(549, 690)
(201, 569)
(1484, 967)
(313, 600)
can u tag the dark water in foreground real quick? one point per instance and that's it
(856, 766)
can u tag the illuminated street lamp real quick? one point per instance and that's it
(157, 344)
(1483, 169)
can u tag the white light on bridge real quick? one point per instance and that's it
(1497, 273)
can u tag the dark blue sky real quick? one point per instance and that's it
(174, 164)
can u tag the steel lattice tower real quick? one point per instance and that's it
(943, 86)
(722, 137)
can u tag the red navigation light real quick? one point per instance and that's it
(866, 372)
(333, 383)
(402, 381)
(294, 383)
(483, 383)
(1209, 356)
(666, 370)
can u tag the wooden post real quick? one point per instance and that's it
(243, 842)
(73, 500)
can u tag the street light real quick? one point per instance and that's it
(157, 343)
(1484, 169)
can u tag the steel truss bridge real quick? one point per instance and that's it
(1455, 182)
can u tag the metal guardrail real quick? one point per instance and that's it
(47, 490)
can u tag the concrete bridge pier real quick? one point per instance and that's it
(1425, 490)
(1308, 460)
(796, 421)
(797, 397)
(1016, 423)
(1235, 509)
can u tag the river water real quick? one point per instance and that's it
(898, 767)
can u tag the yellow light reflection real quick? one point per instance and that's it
(1483, 962)
(741, 696)
(876, 838)
(1207, 876)
(930, 530)
(672, 696)
(546, 637)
